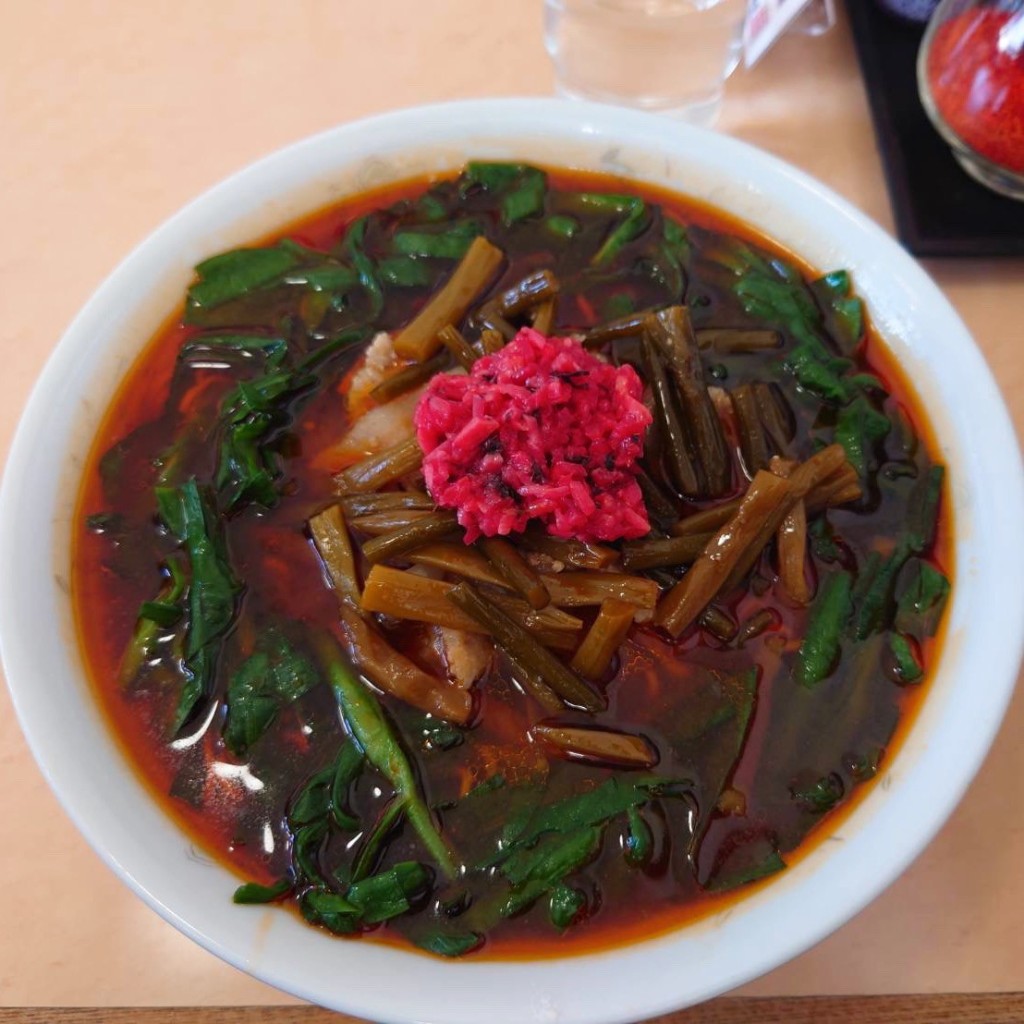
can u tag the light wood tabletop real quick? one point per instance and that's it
(112, 116)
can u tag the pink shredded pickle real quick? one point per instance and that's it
(541, 430)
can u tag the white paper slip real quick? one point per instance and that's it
(766, 20)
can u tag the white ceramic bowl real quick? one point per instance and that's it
(888, 829)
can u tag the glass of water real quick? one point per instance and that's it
(666, 56)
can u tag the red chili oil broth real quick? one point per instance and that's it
(274, 549)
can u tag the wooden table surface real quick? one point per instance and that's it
(112, 115)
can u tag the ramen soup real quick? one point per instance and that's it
(518, 561)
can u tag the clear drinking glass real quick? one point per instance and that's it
(666, 56)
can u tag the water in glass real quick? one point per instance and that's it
(668, 56)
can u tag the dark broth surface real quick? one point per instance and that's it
(800, 759)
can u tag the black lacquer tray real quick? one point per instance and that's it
(939, 210)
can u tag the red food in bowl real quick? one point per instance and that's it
(540, 430)
(978, 87)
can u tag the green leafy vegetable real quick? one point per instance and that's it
(562, 225)
(406, 272)
(639, 845)
(372, 731)
(232, 275)
(313, 802)
(251, 892)
(636, 220)
(906, 661)
(249, 346)
(844, 313)
(522, 188)
(450, 944)
(823, 540)
(307, 843)
(859, 427)
(675, 254)
(353, 246)
(447, 243)
(161, 613)
(822, 795)
(334, 912)
(826, 624)
(593, 807)
(565, 905)
(347, 768)
(722, 736)
(535, 872)
(212, 590)
(746, 864)
(269, 680)
(525, 198)
(873, 607)
(919, 608)
(327, 277)
(923, 512)
(251, 414)
(387, 895)
(375, 839)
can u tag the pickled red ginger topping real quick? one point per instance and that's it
(541, 430)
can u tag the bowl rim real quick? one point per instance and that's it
(578, 988)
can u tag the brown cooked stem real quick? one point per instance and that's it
(726, 340)
(756, 625)
(516, 571)
(376, 471)
(395, 674)
(378, 523)
(776, 416)
(617, 749)
(330, 535)
(514, 639)
(419, 339)
(678, 461)
(382, 664)
(390, 545)
(461, 350)
(709, 574)
(369, 504)
(717, 623)
(658, 503)
(663, 552)
(491, 341)
(410, 596)
(753, 443)
(552, 626)
(407, 595)
(579, 589)
(820, 466)
(675, 336)
(409, 378)
(489, 319)
(706, 520)
(804, 476)
(622, 327)
(837, 489)
(532, 683)
(791, 543)
(458, 559)
(570, 552)
(604, 638)
(544, 317)
(532, 290)
(845, 494)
